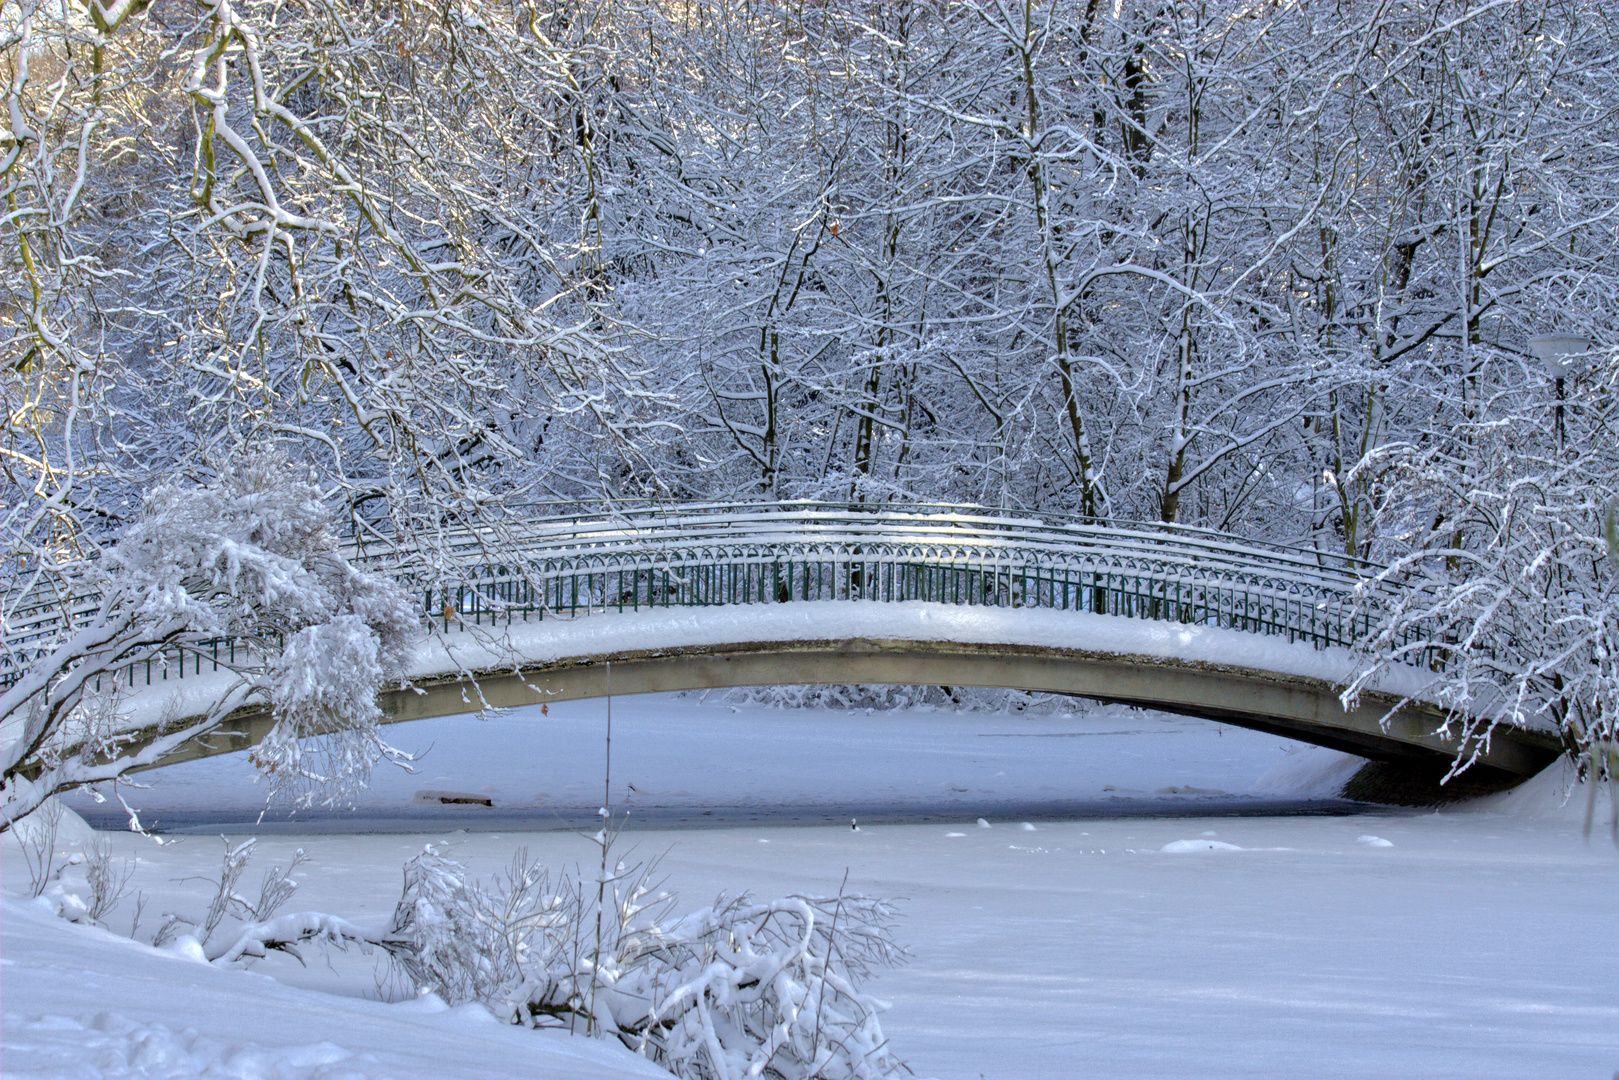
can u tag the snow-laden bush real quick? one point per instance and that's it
(245, 573)
(740, 989)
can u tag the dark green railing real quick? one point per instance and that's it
(587, 584)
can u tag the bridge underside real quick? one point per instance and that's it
(1292, 706)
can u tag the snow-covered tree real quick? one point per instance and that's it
(349, 230)
(1488, 508)
(1507, 588)
(244, 576)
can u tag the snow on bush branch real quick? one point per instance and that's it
(743, 988)
(250, 559)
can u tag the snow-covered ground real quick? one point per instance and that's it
(1473, 942)
(81, 1002)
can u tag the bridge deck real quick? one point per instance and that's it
(1223, 674)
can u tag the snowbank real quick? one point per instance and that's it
(86, 1003)
(1553, 795)
(1181, 847)
(1308, 772)
(73, 833)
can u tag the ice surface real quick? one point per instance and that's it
(674, 753)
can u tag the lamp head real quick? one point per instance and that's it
(1557, 352)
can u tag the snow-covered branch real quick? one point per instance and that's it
(252, 560)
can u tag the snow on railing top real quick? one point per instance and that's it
(649, 529)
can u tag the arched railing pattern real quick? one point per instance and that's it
(713, 555)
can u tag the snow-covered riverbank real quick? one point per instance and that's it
(1468, 943)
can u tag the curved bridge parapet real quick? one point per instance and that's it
(708, 556)
(536, 586)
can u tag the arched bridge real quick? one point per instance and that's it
(659, 599)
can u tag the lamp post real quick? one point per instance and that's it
(1558, 353)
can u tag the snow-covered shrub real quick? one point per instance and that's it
(472, 942)
(770, 988)
(85, 885)
(36, 837)
(254, 930)
(251, 559)
(228, 902)
(107, 880)
(741, 988)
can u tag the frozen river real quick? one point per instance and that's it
(682, 762)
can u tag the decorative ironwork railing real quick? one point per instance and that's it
(711, 555)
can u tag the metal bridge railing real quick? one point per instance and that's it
(714, 555)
